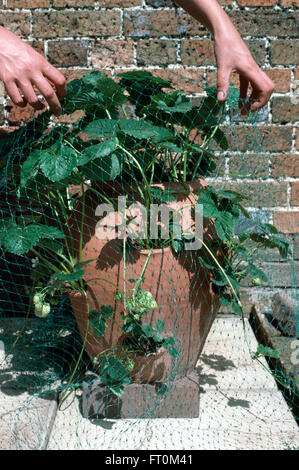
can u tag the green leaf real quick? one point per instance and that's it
(102, 128)
(225, 300)
(97, 323)
(253, 271)
(237, 309)
(148, 330)
(96, 151)
(106, 311)
(30, 167)
(58, 162)
(68, 277)
(102, 169)
(140, 129)
(267, 351)
(160, 325)
(19, 239)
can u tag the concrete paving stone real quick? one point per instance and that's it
(240, 408)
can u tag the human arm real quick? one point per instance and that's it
(22, 68)
(232, 55)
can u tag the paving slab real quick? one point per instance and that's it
(29, 376)
(240, 408)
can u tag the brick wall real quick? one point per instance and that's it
(79, 35)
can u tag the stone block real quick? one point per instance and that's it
(177, 399)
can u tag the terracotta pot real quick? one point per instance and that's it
(180, 286)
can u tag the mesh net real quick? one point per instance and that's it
(134, 240)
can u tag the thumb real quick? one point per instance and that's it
(223, 76)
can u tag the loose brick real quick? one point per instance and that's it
(156, 52)
(16, 22)
(284, 110)
(66, 23)
(197, 52)
(28, 4)
(67, 53)
(285, 165)
(284, 52)
(17, 115)
(295, 193)
(112, 53)
(287, 222)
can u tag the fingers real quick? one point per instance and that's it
(29, 94)
(244, 83)
(262, 89)
(223, 77)
(14, 94)
(49, 94)
(56, 78)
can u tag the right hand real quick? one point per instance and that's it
(21, 68)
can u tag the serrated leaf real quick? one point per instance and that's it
(102, 128)
(20, 239)
(140, 129)
(96, 151)
(58, 162)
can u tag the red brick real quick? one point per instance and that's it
(249, 166)
(66, 23)
(67, 53)
(287, 222)
(160, 23)
(285, 165)
(112, 53)
(261, 194)
(289, 3)
(259, 138)
(265, 23)
(256, 3)
(73, 3)
(17, 22)
(156, 52)
(285, 52)
(295, 193)
(17, 115)
(284, 110)
(119, 3)
(28, 4)
(197, 52)
(281, 78)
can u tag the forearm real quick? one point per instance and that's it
(210, 14)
